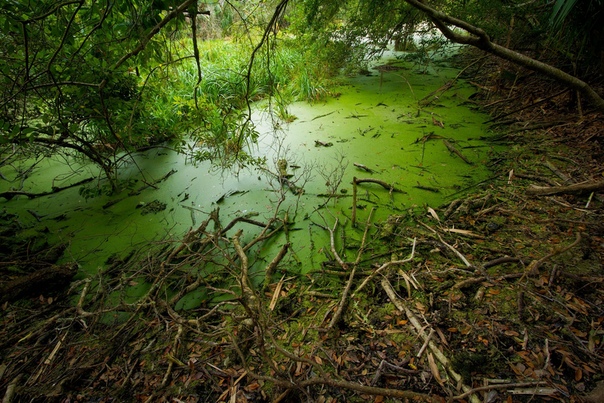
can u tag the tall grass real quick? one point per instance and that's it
(213, 111)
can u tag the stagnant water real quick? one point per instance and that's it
(373, 129)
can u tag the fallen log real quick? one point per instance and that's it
(572, 189)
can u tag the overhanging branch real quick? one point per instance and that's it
(154, 31)
(479, 39)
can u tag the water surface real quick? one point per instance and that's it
(375, 122)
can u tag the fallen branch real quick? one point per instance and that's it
(455, 151)
(428, 188)
(474, 280)
(10, 390)
(419, 329)
(272, 266)
(497, 386)
(363, 167)
(398, 369)
(558, 173)
(571, 189)
(533, 267)
(384, 267)
(326, 380)
(246, 285)
(356, 181)
(342, 304)
(8, 195)
(456, 252)
(383, 184)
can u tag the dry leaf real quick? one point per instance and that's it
(275, 297)
(433, 214)
(420, 307)
(464, 232)
(434, 369)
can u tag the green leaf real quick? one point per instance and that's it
(28, 132)
(561, 10)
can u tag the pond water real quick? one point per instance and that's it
(373, 129)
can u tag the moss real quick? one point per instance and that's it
(467, 363)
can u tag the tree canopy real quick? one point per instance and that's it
(70, 71)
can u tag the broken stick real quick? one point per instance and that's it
(576, 188)
(455, 151)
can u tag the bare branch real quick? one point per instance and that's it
(479, 39)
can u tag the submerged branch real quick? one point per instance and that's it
(8, 195)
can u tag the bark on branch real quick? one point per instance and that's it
(145, 40)
(575, 188)
(480, 39)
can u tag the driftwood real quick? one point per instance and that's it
(575, 188)
(45, 280)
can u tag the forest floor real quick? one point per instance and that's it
(495, 297)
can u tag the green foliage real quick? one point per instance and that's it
(356, 31)
(561, 10)
(94, 79)
(69, 72)
(99, 78)
(576, 32)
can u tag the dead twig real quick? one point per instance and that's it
(419, 329)
(455, 151)
(570, 189)
(399, 369)
(533, 267)
(497, 386)
(342, 304)
(384, 266)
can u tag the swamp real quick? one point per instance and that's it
(301, 201)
